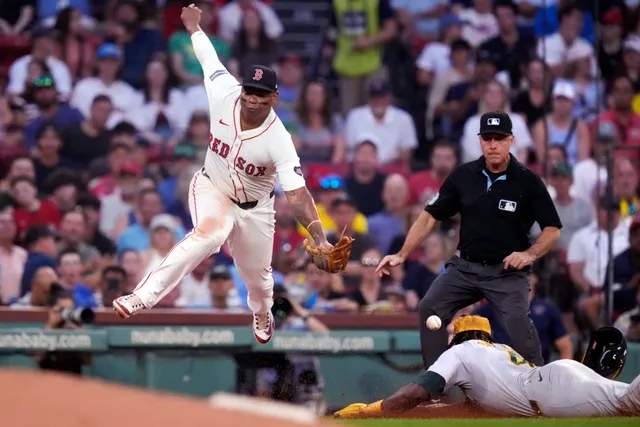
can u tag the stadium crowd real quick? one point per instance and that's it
(103, 121)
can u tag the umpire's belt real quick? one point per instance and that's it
(486, 261)
(246, 205)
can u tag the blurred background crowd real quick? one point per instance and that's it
(103, 121)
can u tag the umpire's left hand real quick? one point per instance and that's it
(518, 260)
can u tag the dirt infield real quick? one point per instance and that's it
(39, 399)
(458, 410)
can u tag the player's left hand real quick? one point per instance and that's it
(350, 412)
(518, 260)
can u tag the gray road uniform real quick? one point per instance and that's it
(502, 382)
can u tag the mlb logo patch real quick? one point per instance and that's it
(493, 122)
(298, 170)
(507, 205)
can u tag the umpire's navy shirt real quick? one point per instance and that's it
(496, 210)
(546, 318)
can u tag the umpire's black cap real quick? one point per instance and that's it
(496, 122)
(260, 77)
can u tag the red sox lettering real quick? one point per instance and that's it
(219, 147)
(222, 150)
(250, 168)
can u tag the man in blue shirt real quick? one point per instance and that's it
(41, 244)
(52, 111)
(546, 318)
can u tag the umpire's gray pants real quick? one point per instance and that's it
(464, 283)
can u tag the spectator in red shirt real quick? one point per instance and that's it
(424, 185)
(31, 210)
(621, 113)
(107, 184)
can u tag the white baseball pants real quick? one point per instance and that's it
(217, 219)
(570, 389)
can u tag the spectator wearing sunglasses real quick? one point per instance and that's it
(369, 289)
(327, 190)
(52, 111)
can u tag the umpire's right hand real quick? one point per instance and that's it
(391, 261)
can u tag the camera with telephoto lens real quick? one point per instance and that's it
(78, 315)
(281, 307)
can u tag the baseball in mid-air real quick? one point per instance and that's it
(434, 322)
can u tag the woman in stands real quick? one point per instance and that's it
(318, 131)
(252, 45)
(162, 115)
(532, 102)
(76, 49)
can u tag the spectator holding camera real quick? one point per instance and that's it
(291, 316)
(70, 362)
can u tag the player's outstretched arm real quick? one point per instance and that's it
(202, 47)
(305, 211)
(406, 398)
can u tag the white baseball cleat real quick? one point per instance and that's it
(127, 305)
(263, 326)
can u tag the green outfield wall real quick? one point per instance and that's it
(362, 361)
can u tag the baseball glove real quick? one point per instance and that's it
(334, 260)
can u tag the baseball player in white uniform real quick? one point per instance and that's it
(231, 198)
(500, 381)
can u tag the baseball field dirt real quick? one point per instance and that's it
(37, 399)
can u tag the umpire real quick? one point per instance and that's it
(498, 199)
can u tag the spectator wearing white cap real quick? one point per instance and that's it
(162, 237)
(589, 91)
(495, 97)
(555, 49)
(123, 97)
(562, 127)
(393, 127)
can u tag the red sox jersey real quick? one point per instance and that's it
(243, 164)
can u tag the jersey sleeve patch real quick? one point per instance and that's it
(298, 170)
(217, 74)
